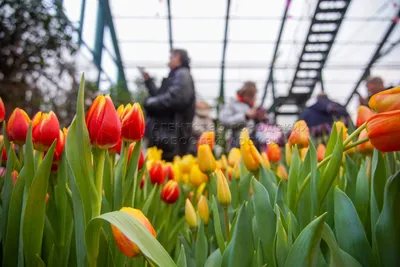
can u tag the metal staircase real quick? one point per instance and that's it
(324, 27)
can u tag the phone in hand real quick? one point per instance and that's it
(141, 69)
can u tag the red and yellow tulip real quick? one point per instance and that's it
(363, 114)
(300, 134)
(133, 124)
(156, 173)
(170, 192)
(384, 130)
(387, 100)
(2, 110)
(17, 126)
(45, 129)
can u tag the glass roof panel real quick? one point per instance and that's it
(72, 9)
(131, 30)
(145, 54)
(89, 24)
(203, 54)
(198, 30)
(198, 9)
(138, 8)
(256, 8)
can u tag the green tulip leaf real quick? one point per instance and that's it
(201, 246)
(268, 180)
(215, 259)
(281, 244)
(293, 178)
(181, 262)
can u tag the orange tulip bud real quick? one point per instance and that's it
(2, 110)
(45, 129)
(234, 156)
(116, 149)
(281, 172)
(363, 114)
(202, 208)
(206, 159)
(274, 152)
(133, 124)
(141, 156)
(366, 147)
(250, 155)
(321, 152)
(156, 173)
(384, 130)
(387, 100)
(103, 123)
(125, 245)
(207, 138)
(300, 134)
(190, 214)
(17, 126)
(169, 171)
(170, 192)
(223, 192)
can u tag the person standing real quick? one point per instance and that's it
(374, 85)
(171, 108)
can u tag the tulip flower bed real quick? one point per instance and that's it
(69, 199)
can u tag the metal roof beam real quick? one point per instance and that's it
(221, 90)
(171, 40)
(375, 57)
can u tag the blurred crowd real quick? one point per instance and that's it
(176, 119)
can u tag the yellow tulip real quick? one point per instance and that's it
(186, 163)
(341, 127)
(223, 192)
(153, 153)
(190, 214)
(234, 156)
(196, 176)
(202, 208)
(281, 172)
(251, 157)
(223, 162)
(206, 159)
(200, 190)
(288, 153)
(265, 160)
(236, 171)
(303, 153)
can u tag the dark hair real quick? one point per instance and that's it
(183, 54)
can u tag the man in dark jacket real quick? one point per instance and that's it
(170, 109)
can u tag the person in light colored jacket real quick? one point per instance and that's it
(239, 112)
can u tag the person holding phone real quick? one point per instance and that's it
(171, 108)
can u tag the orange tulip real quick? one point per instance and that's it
(103, 123)
(363, 114)
(387, 100)
(127, 247)
(274, 152)
(133, 124)
(321, 152)
(366, 147)
(2, 110)
(141, 156)
(206, 159)
(17, 126)
(116, 149)
(170, 192)
(169, 171)
(384, 130)
(207, 138)
(156, 173)
(281, 172)
(250, 155)
(45, 129)
(300, 134)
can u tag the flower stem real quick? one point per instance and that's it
(354, 134)
(356, 143)
(21, 154)
(227, 224)
(98, 160)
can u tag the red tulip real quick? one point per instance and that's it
(156, 173)
(45, 129)
(103, 123)
(170, 192)
(4, 151)
(2, 110)
(133, 124)
(363, 114)
(58, 150)
(116, 149)
(17, 126)
(169, 171)
(141, 156)
(273, 152)
(384, 130)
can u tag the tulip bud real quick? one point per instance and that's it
(169, 172)
(45, 129)
(17, 126)
(281, 172)
(223, 162)
(196, 176)
(387, 100)
(274, 152)
(4, 150)
(300, 134)
(303, 153)
(265, 160)
(363, 114)
(103, 123)
(156, 173)
(142, 181)
(116, 149)
(186, 163)
(250, 155)
(384, 130)
(234, 156)
(236, 171)
(133, 124)
(340, 127)
(288, 153)
(207, 138)
(223, 192)
(190, 214)
(202, 208)
(200, 190)
(2, 110)
(229, 171)
(125, 245)
(170, 192)
(141, 156)
(206, 159)
(366, 147)
(14, 176)
(321, 152)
